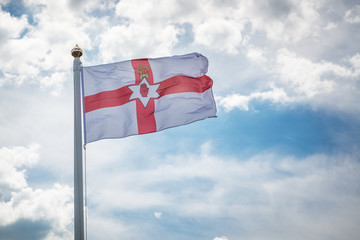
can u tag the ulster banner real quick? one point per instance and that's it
(145, 95)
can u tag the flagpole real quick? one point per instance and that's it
(76, 52)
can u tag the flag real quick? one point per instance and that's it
(145, 95)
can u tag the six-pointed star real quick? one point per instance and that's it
(145, 97)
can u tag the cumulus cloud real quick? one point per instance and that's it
(49, 210)
(219, 34)
(53, 206)
(319, 83)
(137, 40)
(41, 55)
(265, 193)
(282, 194)
(209, 26)
(307, 78)
(288, 21)
(296, 79)
(143, 33)
(220, 26)
(11, 159)
(11, 27)
(242, 102)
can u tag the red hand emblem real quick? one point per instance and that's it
(144, 90)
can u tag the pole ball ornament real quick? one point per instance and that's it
(76, 52)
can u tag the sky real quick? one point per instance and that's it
(280, 161)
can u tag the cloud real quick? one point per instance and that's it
(265, 193)
(242, 102)
(209, 26)
(324, 84)
(137, 40)
(355, 62)
(255, 54)
(29, 230)
(40, 56)
(45, 212)
(286, 21)
(158, 215)
(278, 52)
(353, 15)
(220, 26)
(111, 32)
(296, 189)
(220, 238)
(219, 34)
(11, 27)
(296, 79)
(11, 159)
(306, 78)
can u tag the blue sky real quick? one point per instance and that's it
(281, 160)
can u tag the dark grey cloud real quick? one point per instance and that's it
(279, 8)
(25, 229)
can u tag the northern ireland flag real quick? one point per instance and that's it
(145, 95)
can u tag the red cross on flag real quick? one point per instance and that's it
(145, 95)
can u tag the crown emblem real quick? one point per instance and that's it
(143, 71)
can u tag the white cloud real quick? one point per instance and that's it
(330, 26)
(11, 27)
(220, 26)
(11, 159)
(296, 79)
(355, 62)
(44, 50)
(4, 2)
(209, 26)
(219, 34)
(137, 40)
(255, 54)
(234, 101)
(324, 84)
(220, 238)
(288, 21)
(293, 78)
(42, 57)
(300, 194)
(158, 215)
(51, 205)
(20, 202)
(165, 10)
(111, 227)
(55, 81)
(264, 194)
(143, 32)
(353, 15)
(303, 76)
(242, 102)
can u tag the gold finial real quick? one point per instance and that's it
(76, 52)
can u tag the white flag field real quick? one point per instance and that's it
(145, 95)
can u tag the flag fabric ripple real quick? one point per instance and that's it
(145, 95)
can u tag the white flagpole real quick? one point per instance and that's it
(76, 52)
